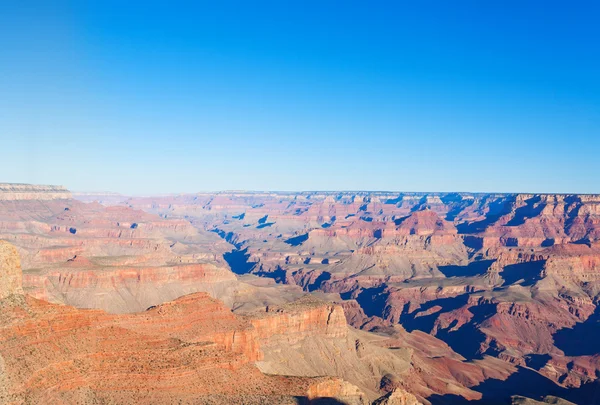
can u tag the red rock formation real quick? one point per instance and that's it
(397, 397)
(10, 271)
(497, 275)
(512, 270)
(294, 321)
(191, 349)
(120, 289)
(116, 258)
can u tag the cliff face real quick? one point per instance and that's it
(125, 289)
(299, 319)
(13, 192)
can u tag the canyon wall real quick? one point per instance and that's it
(191, 350)
(446, 294)
(493, 275)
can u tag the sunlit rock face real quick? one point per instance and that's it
(443, 292)
(10, 271)
(500, 275)
(191, 350)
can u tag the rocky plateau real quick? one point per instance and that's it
(260, 297)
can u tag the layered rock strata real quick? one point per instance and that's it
(189, 350)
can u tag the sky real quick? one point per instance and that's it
(146, 97)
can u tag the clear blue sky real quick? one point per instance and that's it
(159, 97)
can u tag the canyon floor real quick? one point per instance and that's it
(312, 297)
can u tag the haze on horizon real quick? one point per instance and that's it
(150, 97)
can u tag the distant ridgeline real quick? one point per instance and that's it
(12, 192)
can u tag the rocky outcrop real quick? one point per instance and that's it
(397, 397)
(339, 389)
(292, 322)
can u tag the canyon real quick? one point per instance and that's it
(353, 297)
(191, 350)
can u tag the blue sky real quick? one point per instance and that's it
(161, 97)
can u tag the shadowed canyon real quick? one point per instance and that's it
(292, 298)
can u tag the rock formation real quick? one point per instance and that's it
(397, 397)
(500, 275)
(453, 296)
(191, 350)
(10, 271)
(519, 400)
